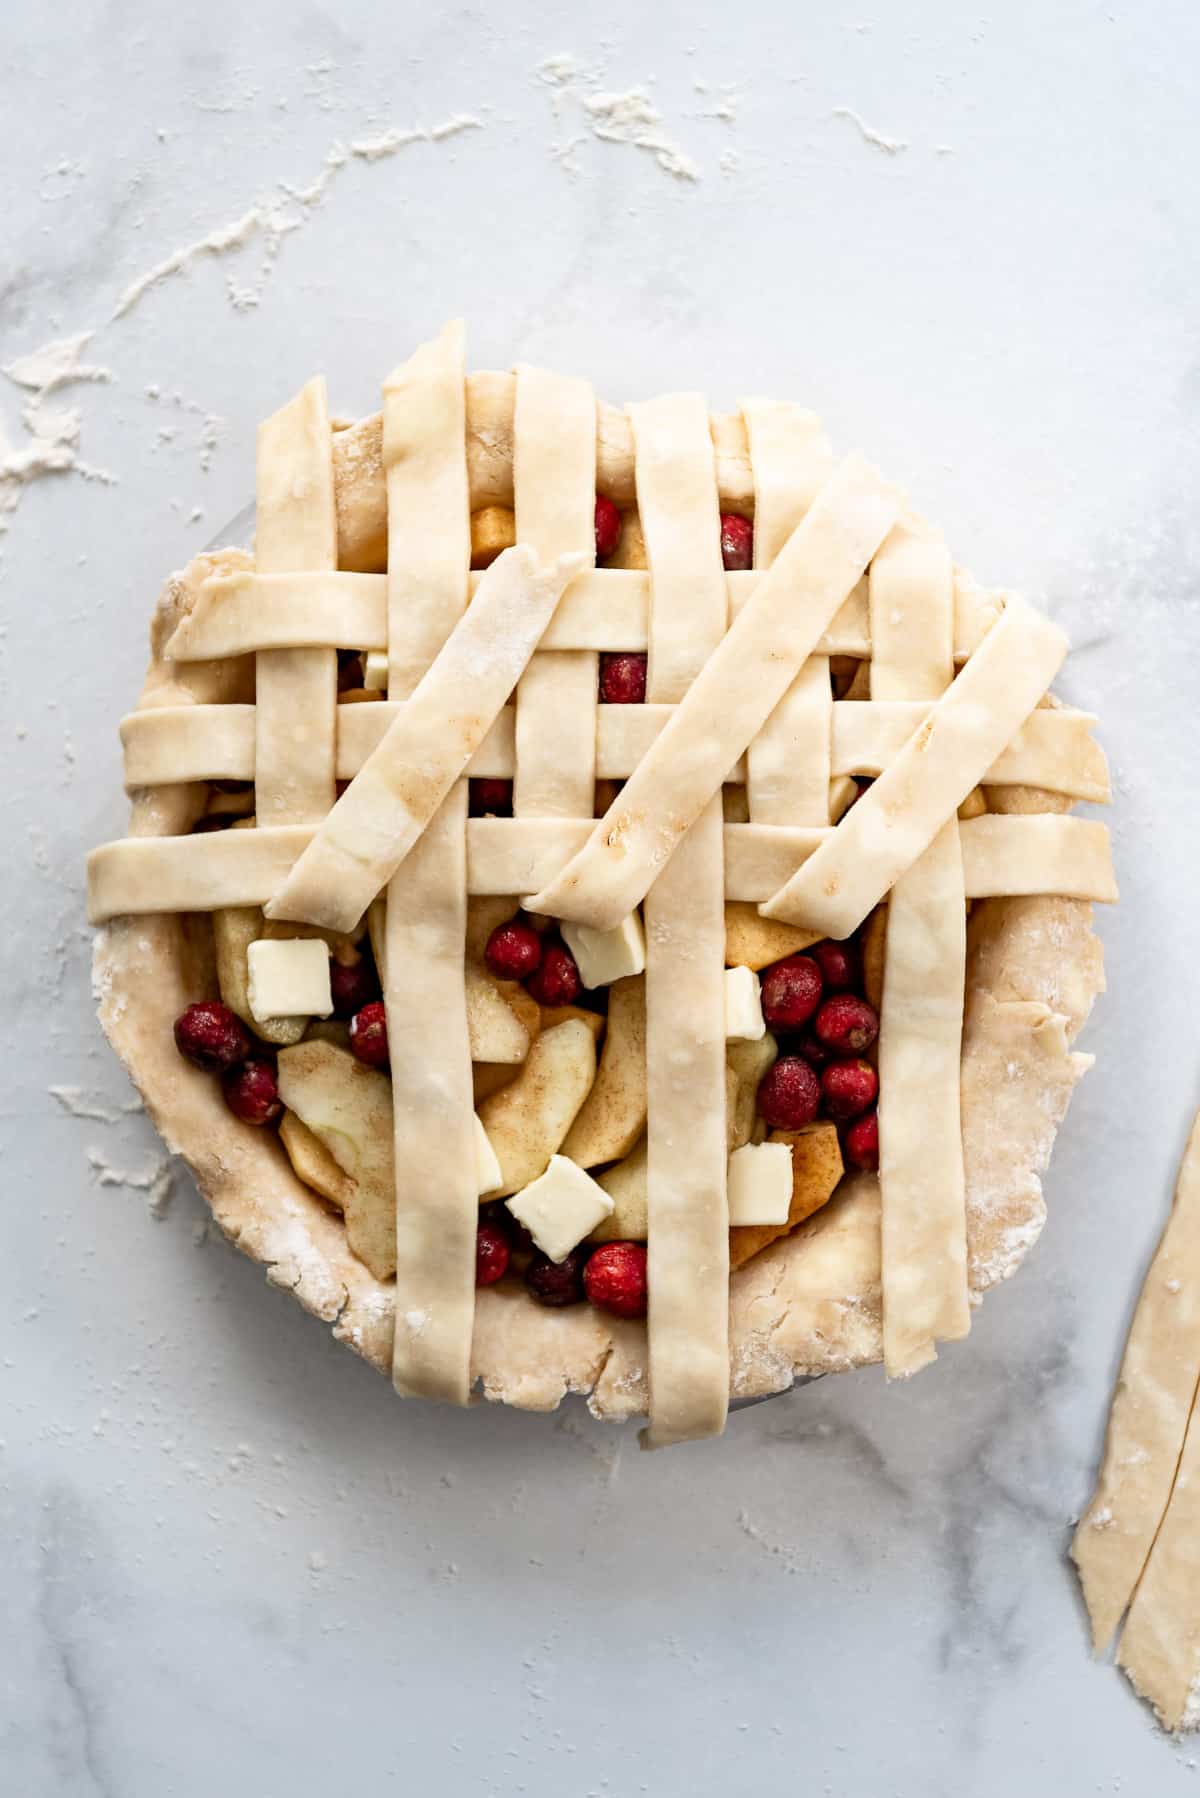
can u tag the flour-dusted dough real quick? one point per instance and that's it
(728, 702)
(898, 818)
(363, 840)
(1147, 1424)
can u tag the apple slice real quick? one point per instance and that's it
(625, 1185)
(755, 942)
(234, 928)
(816, 1170)
(614, 1112)
(560, 1014)
(494, 1030)
(527, 1120)
(747, 1062)
(313, 1163)
(349, 1108)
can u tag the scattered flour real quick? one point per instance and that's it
(78, 1103)
(157, 1180)
(52, 435)
(615, 118)
(892, 146)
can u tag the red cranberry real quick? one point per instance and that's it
(352, 986)
(608, 528)
(514, 950)
(846, 1025)
(839, 965)
(847, 1088)
(556, 1282)
(789, 1094)
(737, 541)
(492, 1250)
(791, 992)
(252, 1092)
(860, 1144)
(556, 981)
(622, 679)
(210, 1036)
(368, 1034)
(490, 798)
(813, 1050)
(615, 1278)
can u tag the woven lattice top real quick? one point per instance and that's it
(493, 674)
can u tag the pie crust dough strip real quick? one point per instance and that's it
(505, 855)
(554, 481)
(1147, 1425)
(164, 744)
(687, 1241)
(897, 819)
(295, 689)
(729, 701)
(922, 1183)
(381, 815)
(437, 1209)
(1045, 852)
(424, 982)
(788, 763)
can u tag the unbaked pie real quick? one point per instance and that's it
(601, 910)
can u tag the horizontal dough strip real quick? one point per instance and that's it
(603, 608)
(1053, 750)
(1039, 853)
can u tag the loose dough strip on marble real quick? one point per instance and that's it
(728, 702)
(164, 744)
(1160, 1644)
(380, 816)
(788, 762)
(295, 689)
(554, 484)
(437, 1208)
(1147, 1424)
(687, 1206)
(897, 819)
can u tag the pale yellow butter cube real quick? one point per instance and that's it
(288, 978)
(760, 1183)
(744, 1021)
(560, 1207)
(607, 955)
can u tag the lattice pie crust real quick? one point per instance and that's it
(495, 674)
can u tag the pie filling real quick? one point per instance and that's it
(588, 892)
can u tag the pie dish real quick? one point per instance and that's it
(643, 792)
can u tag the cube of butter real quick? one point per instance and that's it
(488, 1166)
(560, 1207)
(607, 955)
(744, 1021)
(375, 671)
(760, 1183)
(288, 978)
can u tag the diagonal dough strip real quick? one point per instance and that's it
(728, 702)
(895, 822)
(1147, 1423)
(377, 820)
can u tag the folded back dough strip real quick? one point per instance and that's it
(729, 701)
(295, 689)
(380, 816)
(897, 819)
(788, 762)
(554, 482)
(1053, 750)
(1155, 1394)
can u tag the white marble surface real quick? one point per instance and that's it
(233, 1562)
